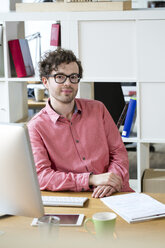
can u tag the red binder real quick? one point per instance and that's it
(21, 57)
(55, 39)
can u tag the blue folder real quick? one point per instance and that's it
(129, 118)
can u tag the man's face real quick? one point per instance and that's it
(66, 92)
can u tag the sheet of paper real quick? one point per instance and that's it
(135, 206)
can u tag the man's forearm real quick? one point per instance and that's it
(108, 178)
(94, 180)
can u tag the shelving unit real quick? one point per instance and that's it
(118, 46)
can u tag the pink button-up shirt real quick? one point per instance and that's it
(66, 152)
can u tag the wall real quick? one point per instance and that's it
(7, 5)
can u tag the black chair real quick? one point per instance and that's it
(112, 96)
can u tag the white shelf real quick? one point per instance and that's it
(2, 79)
(130, 140)
(23, 79)
(150, 14)
(109, 79)
(156, 141)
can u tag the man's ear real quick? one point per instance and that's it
(45, 82)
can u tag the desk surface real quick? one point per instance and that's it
(150, 230)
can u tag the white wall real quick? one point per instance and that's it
(7, 5)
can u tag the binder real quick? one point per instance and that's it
(21, 58)
(55, 39)
(122, 116)
(1, 34)
(1, 52)
(129, 118)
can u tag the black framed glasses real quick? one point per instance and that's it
(60, 78)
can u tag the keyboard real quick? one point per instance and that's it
(66, 201)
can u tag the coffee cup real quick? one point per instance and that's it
(104, 224)
(39, 94)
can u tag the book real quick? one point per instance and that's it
(1, 34)
(1, 52)
(122, 116)
(55, 39)
(126, 206)
(20, 58)
(129, 118)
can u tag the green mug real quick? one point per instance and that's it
(104, 224)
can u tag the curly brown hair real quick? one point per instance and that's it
(52, 59)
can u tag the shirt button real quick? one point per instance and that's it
(77, 141)
(83, 158)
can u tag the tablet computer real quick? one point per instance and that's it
(65, 219)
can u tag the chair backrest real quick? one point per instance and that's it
(111, 95)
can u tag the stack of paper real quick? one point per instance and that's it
(134, 207)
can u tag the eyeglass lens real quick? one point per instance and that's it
(61, 78)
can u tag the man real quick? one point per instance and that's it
(75, 142)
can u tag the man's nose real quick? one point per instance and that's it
(67, 82)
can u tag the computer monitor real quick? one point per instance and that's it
(19, 187)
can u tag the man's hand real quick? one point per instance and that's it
(102, 191)
(106, 179)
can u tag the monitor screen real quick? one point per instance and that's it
(19, 187)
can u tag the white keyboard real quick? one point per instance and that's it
(67, 201)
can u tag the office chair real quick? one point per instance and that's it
(112, 96)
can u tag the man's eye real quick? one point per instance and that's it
(74, 77)
(60, 77)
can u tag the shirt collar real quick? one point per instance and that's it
(54, 116)
(78, 107)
